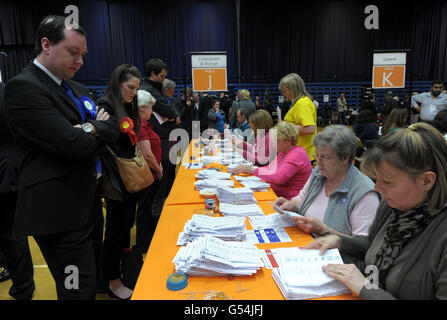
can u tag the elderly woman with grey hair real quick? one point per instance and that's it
(337, 198)
(150, 146)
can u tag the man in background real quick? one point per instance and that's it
(430, 103)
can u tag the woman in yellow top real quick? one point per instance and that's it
(303, 113)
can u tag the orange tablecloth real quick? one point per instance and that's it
(158, 264)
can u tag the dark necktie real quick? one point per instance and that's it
(75, 100)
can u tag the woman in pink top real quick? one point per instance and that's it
(289, 171)
(260, 122)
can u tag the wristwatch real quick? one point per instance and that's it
(87, 127)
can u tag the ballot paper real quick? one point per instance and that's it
(213, 183)
(227, 150)
(288, 213)
(268, 235)
(209, 159)
(249, 178)
(237, 196)
(299, 274)
(244, 210)
(256, 185)
(224, 228)
(212, 174)
(231, 165)
(234, 162)
(197, 165)
(209, 256)
(274, 220)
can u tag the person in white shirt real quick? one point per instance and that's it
(431, 102)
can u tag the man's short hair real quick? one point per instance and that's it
(52, 27)
(244, 112)
(437, 82)
(156, 65)
(168, 84)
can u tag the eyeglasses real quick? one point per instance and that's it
(321, 158)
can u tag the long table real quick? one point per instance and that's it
(179, 207)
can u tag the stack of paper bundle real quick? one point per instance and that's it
(236, 195)
(209, 256)
(224, 228)
(213, 183)
(240, 210)
(213, 174)
(300, 274)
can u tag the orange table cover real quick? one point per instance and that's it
(158, 264)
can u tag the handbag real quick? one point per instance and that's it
(135, 172)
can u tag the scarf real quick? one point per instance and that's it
(403, 227)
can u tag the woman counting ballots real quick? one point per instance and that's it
(337, 198)
(120, 100)
(291, 168)
(259, 152)
(405, 250)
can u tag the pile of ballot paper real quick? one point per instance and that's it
(213, 174)
(233, 161)
(209, 256)
(274, 220)
(224, 228)
(241, 210)
(256, 185)
(236, 195)
(300, 274)
(213, 183)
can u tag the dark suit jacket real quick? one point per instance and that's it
(57, 175)
(186, 113)
(8, 152)
(205, 104)
(246, 104)
(161, 106)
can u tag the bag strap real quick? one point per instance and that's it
(110, 150)
(137, 149)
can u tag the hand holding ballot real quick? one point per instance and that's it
(288, 205)
(243, 169)
(310, 225)
(348, 274)
(306, 224)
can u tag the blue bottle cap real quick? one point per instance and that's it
(177, 281)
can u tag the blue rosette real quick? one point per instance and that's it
(89, 107)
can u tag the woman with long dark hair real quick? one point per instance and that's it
(120, 100)
(396, 120)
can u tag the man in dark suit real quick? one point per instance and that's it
(58, 136)
(205, 104)
(18, 260)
